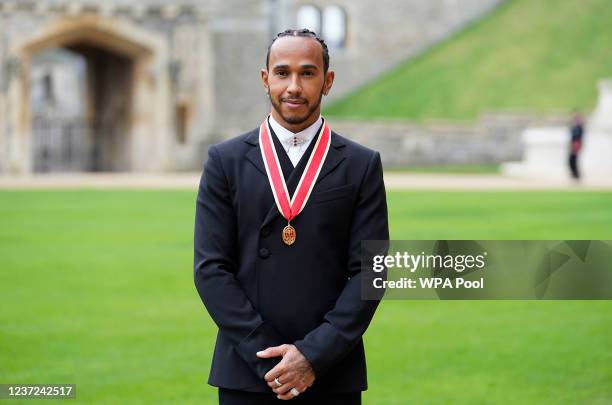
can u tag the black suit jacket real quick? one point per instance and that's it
(262, 293)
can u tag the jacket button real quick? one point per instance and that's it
(265, 231)
(264, 253)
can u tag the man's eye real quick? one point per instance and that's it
(307, 73)
(281, 73)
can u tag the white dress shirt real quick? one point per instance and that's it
(295, 144)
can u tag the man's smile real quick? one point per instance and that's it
(294, 103)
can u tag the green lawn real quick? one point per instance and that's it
(97, 290)
(528, 55)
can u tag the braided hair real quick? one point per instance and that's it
(301, 33)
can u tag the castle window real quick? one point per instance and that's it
(182, 122)
(334, 26)
(309, 16)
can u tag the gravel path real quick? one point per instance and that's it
(393, 181)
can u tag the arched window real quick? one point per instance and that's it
(309, 17)
(334, 26)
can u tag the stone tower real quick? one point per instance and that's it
(147, 85)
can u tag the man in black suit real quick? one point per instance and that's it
(576, 133)
(280, 215)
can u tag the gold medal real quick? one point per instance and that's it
(289, 235)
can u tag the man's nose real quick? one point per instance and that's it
(295, 86)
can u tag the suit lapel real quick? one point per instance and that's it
(254, 154)
(335, 156)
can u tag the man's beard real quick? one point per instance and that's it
(295, 119)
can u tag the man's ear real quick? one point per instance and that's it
(264, 79)
(329, 80)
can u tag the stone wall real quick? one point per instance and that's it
(169, 44)
(492, 139)
(203, 67)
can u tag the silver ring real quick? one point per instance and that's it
(277, 382)
(294, 392)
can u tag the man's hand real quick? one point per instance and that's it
(293, 371)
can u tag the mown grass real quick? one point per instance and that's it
(97, 290)
(536, 56)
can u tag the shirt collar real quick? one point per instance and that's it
(287, 137)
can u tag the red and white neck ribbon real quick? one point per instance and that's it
(289, 209)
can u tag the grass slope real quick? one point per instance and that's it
(97, 290)
(528, 55)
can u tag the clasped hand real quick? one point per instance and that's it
(293, 371)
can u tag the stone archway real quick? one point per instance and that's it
(126, 123)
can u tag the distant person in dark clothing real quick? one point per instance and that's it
(577, 131)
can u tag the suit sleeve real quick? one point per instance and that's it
(344, 325)
(215, 264)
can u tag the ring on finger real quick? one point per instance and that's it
(277, 382)
(295, 392)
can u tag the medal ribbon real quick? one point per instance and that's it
(291, 209)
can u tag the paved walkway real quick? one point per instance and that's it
(393, 181)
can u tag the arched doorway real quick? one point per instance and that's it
(91, 96)
(80, 101)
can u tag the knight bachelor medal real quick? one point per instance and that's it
(290, 209)
(289, 235)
